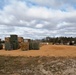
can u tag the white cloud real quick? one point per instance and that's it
(39, 25)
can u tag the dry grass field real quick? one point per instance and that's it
(46, 50)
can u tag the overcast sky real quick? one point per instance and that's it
(38, 18)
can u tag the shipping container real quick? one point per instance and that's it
(34, 46)
(8, 46)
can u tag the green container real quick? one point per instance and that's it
(8, 46)
(1, 46)
(34, 46)
(14, 41)
(13, 38)
(31, 46)
(15, 45)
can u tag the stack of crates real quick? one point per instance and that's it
(8, 45)
(34, 45)
(7, 39)
(27, 40)
(14, 42)
(24, 46)
(20, 40)
(11, 43)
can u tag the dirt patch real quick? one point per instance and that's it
(37, 65)
(47, 50)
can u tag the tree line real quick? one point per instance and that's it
(59, 40)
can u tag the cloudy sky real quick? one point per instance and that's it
(38, 18)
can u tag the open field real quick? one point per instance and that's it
(47, 50)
